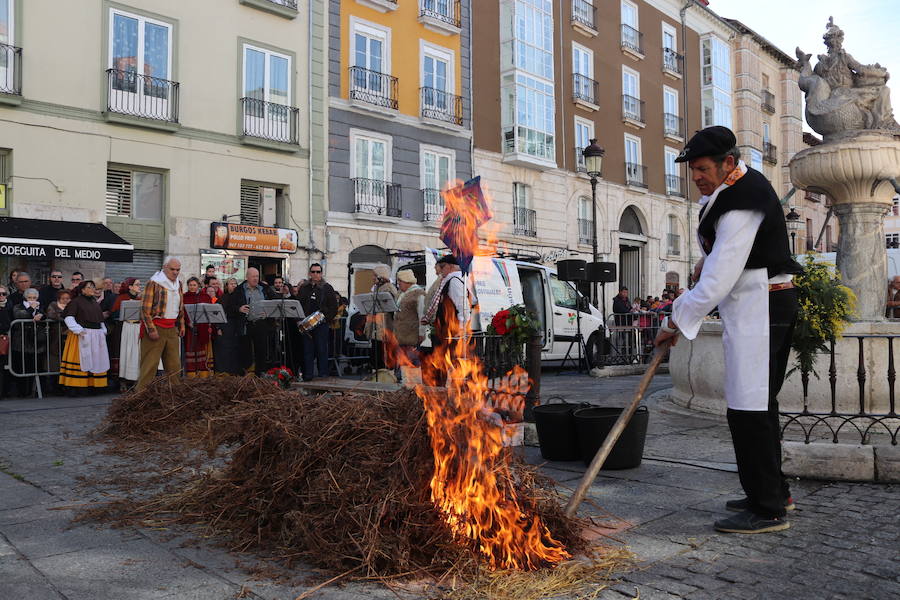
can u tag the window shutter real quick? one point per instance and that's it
(118, 193)
(249, 204)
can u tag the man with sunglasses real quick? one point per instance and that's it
(317, 295)
(77, 278)
(49, 291)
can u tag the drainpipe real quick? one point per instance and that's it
(471, 98)
(685, 170)
(309, 134)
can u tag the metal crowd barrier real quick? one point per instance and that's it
(35, 349)
(631, 336)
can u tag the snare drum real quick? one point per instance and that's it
(311, 322)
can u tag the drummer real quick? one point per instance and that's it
(317, 295)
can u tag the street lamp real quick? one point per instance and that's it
(794, 225)
(593, 161)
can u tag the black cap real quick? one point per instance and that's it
(712, 141)
(447, 259)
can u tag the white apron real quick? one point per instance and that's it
(130, 351)
(93, 352)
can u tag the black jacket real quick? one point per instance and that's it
(233, 302)
(321, 297)
(622, 310)
(47, 294)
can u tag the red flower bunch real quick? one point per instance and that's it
(282, 376)
(500, 322)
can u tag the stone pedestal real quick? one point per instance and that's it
(854, 169)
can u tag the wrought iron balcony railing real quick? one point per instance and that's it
(672, 61)
(673, 244)
(632, 39)
(675, 186)
(270, 121)
(584, 88)
(584, 13)
(673, 125)
(377, 197)
(130, 93)
(446, 11)
(433, 203)
(585, 231)
(770, 153)
(10, 70)
(632, 108)
(286, 3)
(636, 175)
(768, 102)
(524, 221)
(372, 87)
(441, 106)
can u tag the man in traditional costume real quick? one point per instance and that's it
(747, 271)
(162, 323)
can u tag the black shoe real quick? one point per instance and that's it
(748, 522)
(744, 504)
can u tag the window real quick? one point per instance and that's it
(370, 168)
(524, 218)
(371, 54)
(716, 82)
(521, 195)
(765, 81)
(531, 35)
(530, 116)
(564, 295)
(674, 186)
(631, 94)
(765, 133)
(673, 239)
(671, 123)
(437, 78)
(634, 170)
(267, 93)
(140, 61)
(630, 15)
(892, 240)
(7, 52)
(132, 194)
(895, 207)
(4, 182)
(583, 73)
(669, 39)
(585, 221)
(370, 157)
(264, 204)
(756, 159)
(437, 170)
(584, 133)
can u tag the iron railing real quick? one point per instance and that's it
(446, 11)
(580, 166)
(584, 88)
(672, 61)
(288, 3)
(632, 108)
(673, 125)
(632, 39)
(768, 102)
(433, 203)
(585, 231)
(270, 121)
(441, 106)
(675, 185)
(130, 93)
(584, 12)
(636, 175)
(374, 88)
(770, 153)
(377, 197)
(673, 244)
(629, 338)
(11, 73)
(524, 221)
(833, 422)
(35, 349)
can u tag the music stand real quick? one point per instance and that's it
(202, 313)
(278, 309)
(130, 310)
(375, 304)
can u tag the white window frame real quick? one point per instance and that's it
(126, 98)
(274, 120)
(637, 140)
(667, 151)
(576, 47)
(766, 133)
(365, 134)
(753, 163)
(372, 30)
(637, 17)
(637, 79)
(666, 28)
(440, 53)
(579, 157)
(671, 92)
(8, 74)
(517, 185)
(438, 151)
(267, 78)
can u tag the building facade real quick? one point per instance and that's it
(170, 117)
(399, 129)
(553, 76)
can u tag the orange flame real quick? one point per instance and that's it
(472, 485)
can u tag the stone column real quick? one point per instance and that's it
(861, 256)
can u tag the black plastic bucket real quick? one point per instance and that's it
(556, 431)
(594, 424)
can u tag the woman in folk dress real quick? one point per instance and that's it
(85, 359)
(128, 334)
(197, 337)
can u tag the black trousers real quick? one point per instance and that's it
(260, 338)
(757, 434)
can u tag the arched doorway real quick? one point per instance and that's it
(631, 245)
(672, 281)
(360, 265)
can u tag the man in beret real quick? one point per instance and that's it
(746, 270)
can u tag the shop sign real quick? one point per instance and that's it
(226, 266)
(62, 252)
(233, 236)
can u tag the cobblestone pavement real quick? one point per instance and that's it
(844, 541)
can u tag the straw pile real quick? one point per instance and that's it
(339, 481)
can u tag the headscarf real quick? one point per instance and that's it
(124, 294)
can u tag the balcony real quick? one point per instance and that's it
(579, 160)
(636, 175)
(673, 244)
(633, 111)
(373, 89)
(770, 153)
(584, 91)
(433, 202)
(768, 102)
(524, 221)
(10, 74)
(675, 186)
(282, 8)
(673, 127)
(141, 98)
(632, 42)
(381, 6)
(376, 197)
(438, 105)
(441, 16)
(526, 147)
(672, 63)
(269, 122)
(585, 231)
(584, 17)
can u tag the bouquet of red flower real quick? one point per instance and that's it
(515, 325)
(282, 376)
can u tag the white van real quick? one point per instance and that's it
(557, 304)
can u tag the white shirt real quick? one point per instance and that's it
(457, 293)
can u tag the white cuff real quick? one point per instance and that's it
(73, 325)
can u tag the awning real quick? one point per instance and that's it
(61, 240)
